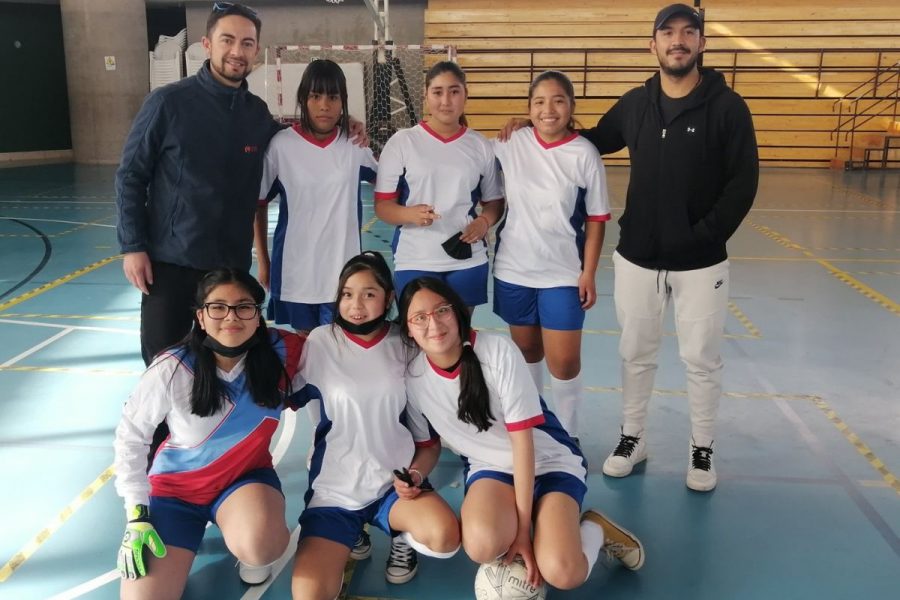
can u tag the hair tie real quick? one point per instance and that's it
(467, 343)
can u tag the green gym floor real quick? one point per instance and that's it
(808, 445)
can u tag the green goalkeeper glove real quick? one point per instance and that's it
(139, 533)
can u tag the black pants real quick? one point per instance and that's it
(167, 315)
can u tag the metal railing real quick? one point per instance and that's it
(877, 97)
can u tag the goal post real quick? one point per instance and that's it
(386, 82)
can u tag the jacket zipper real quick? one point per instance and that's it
(664, 133)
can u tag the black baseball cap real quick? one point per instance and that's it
(677, 10)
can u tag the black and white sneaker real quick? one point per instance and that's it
(701, 476)
(362, 549)
(630, 451)
(402, 563)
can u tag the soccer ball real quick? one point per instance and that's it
(496, 581)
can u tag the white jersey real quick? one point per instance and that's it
(319, 211)
(366, 430)
(552, 190)
(418, 166)
(514, 404)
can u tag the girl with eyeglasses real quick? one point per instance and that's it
(221, 390)
(523, 470)
(367, 434)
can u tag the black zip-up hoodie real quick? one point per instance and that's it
(693, 179)
(188, 184)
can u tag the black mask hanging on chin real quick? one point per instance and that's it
(229, 351)
(362, 328)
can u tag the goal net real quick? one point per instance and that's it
(385, 82)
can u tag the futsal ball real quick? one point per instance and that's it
(496, 581)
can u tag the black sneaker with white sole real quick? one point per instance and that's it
(362, 549)
(402, 563)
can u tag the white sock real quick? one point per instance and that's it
(567, 397)
(537, 375)
(423, 549)
(592, 541)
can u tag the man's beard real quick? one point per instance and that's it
(679, 72)
(223, 70)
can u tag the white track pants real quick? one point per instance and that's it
(700, 299)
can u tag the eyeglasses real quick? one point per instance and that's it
(219, 310)
(225, 6)
(441, 314)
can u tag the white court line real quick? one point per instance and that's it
(57, 221)
(289, 425)
(257, 591)
(34, 349)
(73, 327)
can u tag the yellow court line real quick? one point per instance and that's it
(892, 261)
(744, 320)
(58, 282)
(80, 317)
(875, 462)
(31, 547)
(368, 226)
(857, 285)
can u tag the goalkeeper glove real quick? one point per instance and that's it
(139, 534)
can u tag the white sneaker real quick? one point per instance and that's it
(630, 451)
(701, 476)
(402, 563)
(253, 575)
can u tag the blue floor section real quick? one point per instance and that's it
(808, 505)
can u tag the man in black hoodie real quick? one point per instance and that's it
(694, 174)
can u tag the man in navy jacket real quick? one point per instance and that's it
(188, 183)
(694, 174)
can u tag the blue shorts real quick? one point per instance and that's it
(470, 284)
(556, 308)
(543, 484)
(344, 526)
(183, 524)
(302, 317)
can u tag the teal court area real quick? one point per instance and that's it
(807, 450)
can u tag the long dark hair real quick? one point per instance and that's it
(564, 82)
(474, 405)
(367, 261)
(448, 66)
(323, 76)
(266, 377)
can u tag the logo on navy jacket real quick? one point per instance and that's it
(691, 130)
(251, 149)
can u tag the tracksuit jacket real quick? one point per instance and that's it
(188, 184)
(693, 179)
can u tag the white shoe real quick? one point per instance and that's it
(701, 476)
(630, 451)
(618, 542)
(253, 575)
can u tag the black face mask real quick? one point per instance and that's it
(457, 249)
(229, 351)
(361, 329)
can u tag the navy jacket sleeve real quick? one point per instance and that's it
(741, 176)
(607, 135)
(139, 158)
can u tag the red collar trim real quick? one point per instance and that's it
(313, 139)
(370, 343)
(446, 140)
(549, 145)
(455, 372)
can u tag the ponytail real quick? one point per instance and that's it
(474, 398)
